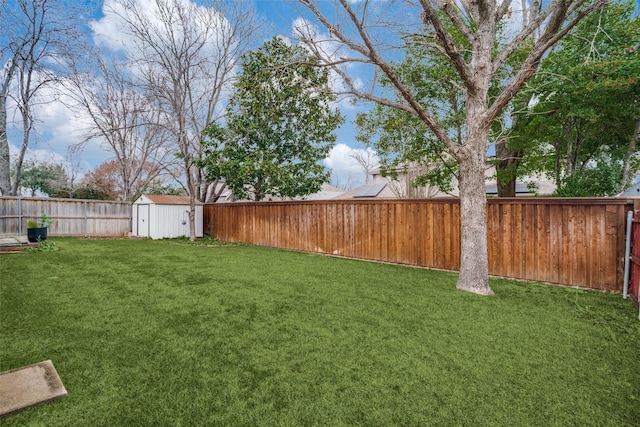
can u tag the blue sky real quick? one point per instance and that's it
(57, 127)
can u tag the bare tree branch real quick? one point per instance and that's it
(186, 55)
(41, 37)
(370, 52)
(553, 32)
(430, 17)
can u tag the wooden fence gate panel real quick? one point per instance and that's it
(634, 273)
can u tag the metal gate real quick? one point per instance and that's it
(633, 257)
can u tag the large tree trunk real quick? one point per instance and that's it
(5, 159)
(27, 125)
(626, 169)
(506, 169)
(474, 259)
(192, 218)
(192, 188)
(507, 188)
(474, 263)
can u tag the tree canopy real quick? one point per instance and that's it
(464, 34)
(404, 143)
(280, 124)
(185, 55)
(39, 41)
(47, 178)
(582, 128)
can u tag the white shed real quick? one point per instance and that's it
(159, 216)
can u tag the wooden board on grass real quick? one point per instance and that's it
(28, 386)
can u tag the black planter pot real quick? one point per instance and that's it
(35, 234)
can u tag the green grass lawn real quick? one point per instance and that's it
(153, 333)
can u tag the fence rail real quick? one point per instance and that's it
(573, 242)
(71, 217)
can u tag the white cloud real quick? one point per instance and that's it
(58, 128)
(344, 167)
(200, 34)
(39, 155)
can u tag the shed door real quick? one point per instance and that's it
(143, 220)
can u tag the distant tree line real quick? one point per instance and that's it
(41, 178)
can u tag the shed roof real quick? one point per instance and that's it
(160, 199)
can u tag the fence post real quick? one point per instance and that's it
(85, 227)
(19, 216)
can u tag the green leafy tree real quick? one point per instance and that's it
(33, 177)
(48, 179)
(85, 191)
(159, 186)
(403, 141)
(280, 124)
(583, 131)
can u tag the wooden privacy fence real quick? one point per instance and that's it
(71, 217)
(574, 242)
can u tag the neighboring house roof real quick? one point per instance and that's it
(327, 191)
(402, 187)
(226, 196)
(159, 199)
(369, 191)
(633, 191)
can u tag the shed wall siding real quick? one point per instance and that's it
(165, 221)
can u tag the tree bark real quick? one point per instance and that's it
(474, 260)
(474, 263)
(5, 155)
(507, 188)
(508, 162)
(5, 159)
(192, 218)
(27, 125)
(626, 170)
